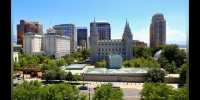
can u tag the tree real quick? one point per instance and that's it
(63, 92)
(83, 97)
(142, 52)
(156, 91)
(127, 63)
(60, 62)
(34, 91)
(27, 91)
(78, 77)
(69, 59)
(162, 91)
(141, 62)
(101, 64)
(17, 66)
(180, 94)
(173, 53)
(155, 75)
(50, 75)
(85, 53)
(170, 67)
(61, 75)
(69, 77)
(183, 73)
(107, 92)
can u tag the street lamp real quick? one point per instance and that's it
(89, 93)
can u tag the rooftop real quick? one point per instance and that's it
(75, 66)
(116, 71)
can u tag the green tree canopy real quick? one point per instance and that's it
(173, 53)
(162, 91)
(35, 91)
(155, 75)
(107, 92)
(183, 73)
(101, 64)
(141, 62)
(142, 52)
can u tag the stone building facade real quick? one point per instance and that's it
(100, 49)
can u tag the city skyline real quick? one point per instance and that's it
(81, 13)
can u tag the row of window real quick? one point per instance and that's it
(109, 49)
(112, 44)
(106, 54)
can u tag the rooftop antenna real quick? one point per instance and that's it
(94, 19)
(126, 21)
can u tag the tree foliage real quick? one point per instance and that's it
(155, 75)
(173, 53)
(162, 91)
(34, 91)
(107, 92)
(183, 73)
(142, 52)
(101, 64)
(60, 75)
(141, 62)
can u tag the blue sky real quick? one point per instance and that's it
(82, 12)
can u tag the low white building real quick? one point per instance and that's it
(76, 69)
(56, 45)
(32, 43)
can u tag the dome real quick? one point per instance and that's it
(157, 55)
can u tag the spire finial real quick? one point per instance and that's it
(94, 19)
(127, 22)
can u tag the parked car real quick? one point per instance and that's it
(83, 87)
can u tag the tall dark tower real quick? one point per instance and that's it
(157, 30)
(127, 39)
(93, 40)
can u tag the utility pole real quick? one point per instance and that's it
(89, 93)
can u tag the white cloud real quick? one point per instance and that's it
(142, 35)
(175, 36)
(172, 35)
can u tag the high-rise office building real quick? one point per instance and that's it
(32, 43)
(103, 30)
(157, 30)
(82, 37)
(56, 45)
(25, 27)
(67, 30)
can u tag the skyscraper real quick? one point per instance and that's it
(68, 30)
(25, 27)
(56, 45)
(82, 37)
(157, 30)
(32, 43)
(103, 30)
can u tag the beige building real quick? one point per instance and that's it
(32, 43)
(56, 45)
